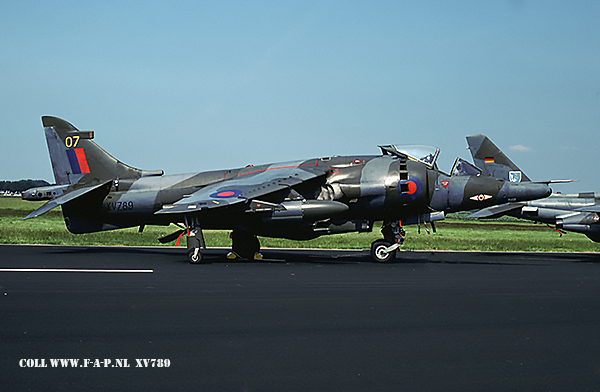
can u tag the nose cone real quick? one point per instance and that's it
(29, 194)
(524, 191)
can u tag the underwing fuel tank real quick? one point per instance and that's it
(591, 231)
(581, 222)
(307, 210)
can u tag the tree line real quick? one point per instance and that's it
(21, 185)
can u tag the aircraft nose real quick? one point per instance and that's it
(29, 194)
(528, 191)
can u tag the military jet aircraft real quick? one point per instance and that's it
(297, 200)
(577, 212)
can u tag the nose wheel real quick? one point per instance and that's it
(385, 250)
(382, 251)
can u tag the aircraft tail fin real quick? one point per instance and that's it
(77, 159)
(489, 158)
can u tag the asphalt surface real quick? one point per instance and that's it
(301, 321)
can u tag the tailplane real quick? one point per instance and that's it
(77, 159)
(493, 161)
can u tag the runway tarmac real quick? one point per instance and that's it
(306, 320)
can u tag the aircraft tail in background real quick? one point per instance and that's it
(489, 158)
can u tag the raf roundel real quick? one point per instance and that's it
(410, 189)
(225, 194)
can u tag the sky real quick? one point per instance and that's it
(187, 86)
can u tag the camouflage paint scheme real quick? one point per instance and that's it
(297, 200)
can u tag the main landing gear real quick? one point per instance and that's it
(245, 245)
(385, 250)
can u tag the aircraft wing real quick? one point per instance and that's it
(496, 211)
(592, 208)
(243, 188)
(65, 198)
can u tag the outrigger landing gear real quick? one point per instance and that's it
(245, 245)
(195, 241)
(385, 250)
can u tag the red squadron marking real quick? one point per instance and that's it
(83, 164)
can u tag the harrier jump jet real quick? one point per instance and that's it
(577, 212)
(297, 200)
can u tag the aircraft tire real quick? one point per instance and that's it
(195, 257)
(377, 251)
(194, 252)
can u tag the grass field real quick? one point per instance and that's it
(452, 234)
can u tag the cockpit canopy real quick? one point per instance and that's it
(421, 153)
(464, 168)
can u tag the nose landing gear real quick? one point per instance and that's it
(385, 250)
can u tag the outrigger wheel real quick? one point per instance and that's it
(195, 245)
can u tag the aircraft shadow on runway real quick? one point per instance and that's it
(331, 256)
